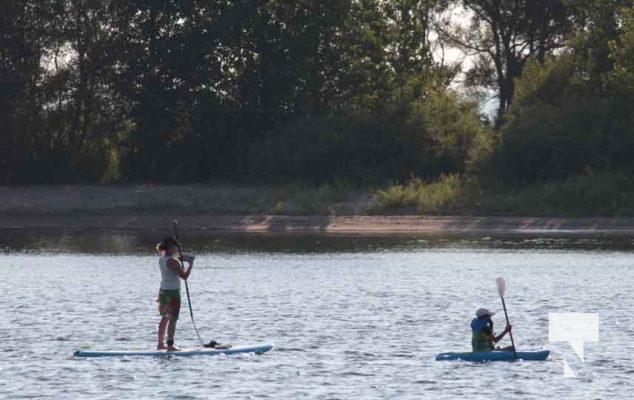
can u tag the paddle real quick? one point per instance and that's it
(191, 312)
(501, 289)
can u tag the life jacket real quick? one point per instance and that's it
(482, 330)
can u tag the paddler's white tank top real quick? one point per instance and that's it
(169, 279)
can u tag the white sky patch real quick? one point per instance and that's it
(59, 59)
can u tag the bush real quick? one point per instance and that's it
(438, 197)
(574, 136)
(444, 135)
(428, 138)
(545, 83)
(322, 149)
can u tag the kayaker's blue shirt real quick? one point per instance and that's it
(482, 330)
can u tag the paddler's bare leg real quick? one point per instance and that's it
(161, 333)
(171, 330)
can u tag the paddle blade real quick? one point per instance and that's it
(501, 286)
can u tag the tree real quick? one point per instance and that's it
(502, 35)
(572, 113)
(104, 90)
(621, 79)
(21, 49)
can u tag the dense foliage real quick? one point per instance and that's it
(573, 113)
(307, 90)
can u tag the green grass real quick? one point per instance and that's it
(600, 195)
(418, 197)
(218, 199)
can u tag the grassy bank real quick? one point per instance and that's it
(216, 199)
(605, 195)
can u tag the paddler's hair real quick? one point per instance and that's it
(165, 244)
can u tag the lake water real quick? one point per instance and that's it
(359, 317)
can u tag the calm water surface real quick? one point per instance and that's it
(350, 317)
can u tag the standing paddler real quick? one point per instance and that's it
(169, 298)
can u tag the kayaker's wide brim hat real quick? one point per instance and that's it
(482, 312)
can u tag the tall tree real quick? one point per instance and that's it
(27, 31)
(502, 35)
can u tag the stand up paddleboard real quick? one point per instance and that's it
(257, 349)
(495, 356)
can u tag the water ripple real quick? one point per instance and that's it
(346, 325)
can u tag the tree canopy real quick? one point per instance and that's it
(192, 90)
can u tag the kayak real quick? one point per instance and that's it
(257, 349)
(495, 356)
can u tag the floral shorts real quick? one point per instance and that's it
(169, 303)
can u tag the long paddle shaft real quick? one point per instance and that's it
(189, 302)
(501, 288)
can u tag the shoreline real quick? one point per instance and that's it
(318, 224)
(236, 209)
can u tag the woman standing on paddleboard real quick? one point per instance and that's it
(169, 298)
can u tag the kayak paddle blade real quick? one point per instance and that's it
(501, 286)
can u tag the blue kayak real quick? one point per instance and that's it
(257, 349)
(494, 356)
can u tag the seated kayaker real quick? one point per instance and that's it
(484, 337)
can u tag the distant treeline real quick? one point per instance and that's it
(313, 90)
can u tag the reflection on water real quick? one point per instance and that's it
(96, 241)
